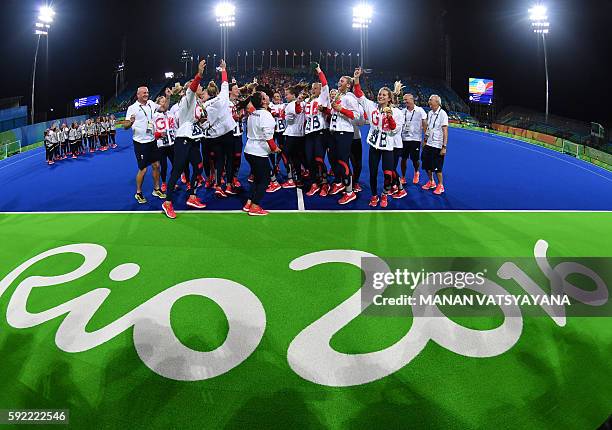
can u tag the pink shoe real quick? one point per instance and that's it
(194, 202)
(314, 189)
(429, 185)
(257, 211)
(336, 188)
(168, 210)
(347, 198)
(400, 194)
(273, 187)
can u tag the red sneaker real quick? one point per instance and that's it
(273, 187)
(357, 188)
(219, 192)
(336, 188)
(415, 178)
(257, 211)
(383, 201)
(74, 157)
(394, 189)
(347, 198)
(208, 183)
(251, 178)
(403, 180)
(168, 210)
(324, 190)
(194, 202)
(400, 194)
(439, 189)
(114, 145)
(236, 183)
(289, 184)
(231, 190)
(164, 187)
(246, 207)
(429, 185)
(373, 201)
(314, 189)
(183, 178)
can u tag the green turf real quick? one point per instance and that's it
(554, 377)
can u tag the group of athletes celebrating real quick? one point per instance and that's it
(70, 141)
(201, 135)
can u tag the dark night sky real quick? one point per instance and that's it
(489, 39)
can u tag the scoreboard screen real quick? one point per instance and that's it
(86, 101)
(481, 91)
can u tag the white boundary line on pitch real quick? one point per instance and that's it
(21, 159)
(309, 211)
(300, 200)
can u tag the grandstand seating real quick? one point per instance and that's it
(572, 130)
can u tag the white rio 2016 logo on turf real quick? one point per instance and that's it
(310, 354)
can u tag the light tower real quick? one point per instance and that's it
(538, 15)
(42, 28)
(362, 18)
(226, 17)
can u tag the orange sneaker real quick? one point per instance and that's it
(314, 189)
(429, 185)
(336, 188)
(347, 198)
(439, 189)
(273, 187)
(246, 207)
(194, 202)
(373, 201)
(403, 180)
(257, 211)
(400, 194)
(383, 201)
(168, 210)
(415, 178)
(289, 184)
(324, 190)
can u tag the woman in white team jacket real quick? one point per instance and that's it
(386, 124)
(260, 144)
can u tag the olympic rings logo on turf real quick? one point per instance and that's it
(310, 354)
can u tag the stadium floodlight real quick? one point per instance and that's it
(46, 14)
(169, 75)
(362, 15)
(538, 15)
(226, 17)
(41, 28)
(362, 18)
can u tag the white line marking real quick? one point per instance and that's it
(309, 211)
(300, 198)
(24, 158)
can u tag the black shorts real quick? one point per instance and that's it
(146, 154)
(431, 158)
(412, 149)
